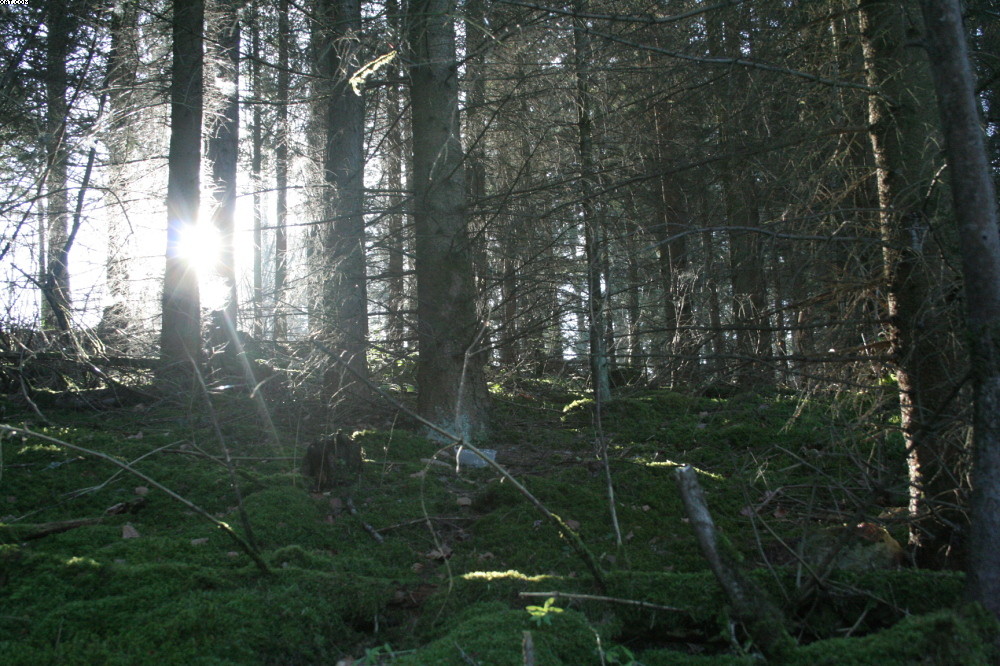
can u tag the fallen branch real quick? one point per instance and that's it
(254, 555)
(31, 532)
(597, 597)
(368, 528)
(761, 619)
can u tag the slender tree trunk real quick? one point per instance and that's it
(180, 338)
(593, 237)
(256, 177)
(975, 202)
(281, 178)
(451, 383)
(397, 237)
(901, 135)
(223, 154)
(345, 300)
(55, 280)
(123, 61)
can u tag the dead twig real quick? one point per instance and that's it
(368, 528)
(597, 597)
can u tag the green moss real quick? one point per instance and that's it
(942, 638)
(491, 633)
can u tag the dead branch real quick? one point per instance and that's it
(597, 597)
(368, 528)
(254, 555)
(761, 619)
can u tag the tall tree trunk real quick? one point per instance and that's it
(180, 338)
(123, 61)
(975, 201)
(55, 281)
(593, 237)
(256, 177)
(223, 154)
(451, 383)
(281, 177)
(901, 135)
(345, 300)
(396, 239)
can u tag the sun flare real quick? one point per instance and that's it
(200, 247)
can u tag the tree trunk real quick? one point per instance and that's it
(975, 203)
(593, 242)
(256, 177)
(901, 135)
(180, 339)
(123, 61)
(344, 291)
(55, 280)
(281, 178)
(396, 241)
(452, 387)
(223, 153)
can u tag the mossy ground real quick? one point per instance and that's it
(444, 585)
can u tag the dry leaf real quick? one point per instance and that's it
(141, 491)
(137, 435)
(780, 512)
(483, 557)
(646, 507)
(336, 504)
(573, 524)
(199, 542)
(464, 500)
(747, 511)
(129, 532)
(330, 519)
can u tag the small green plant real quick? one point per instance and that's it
(377, 655)
(543, 614)
(620, 654)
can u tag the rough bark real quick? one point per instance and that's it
(55, 279)
(223, 150)
(592, 233)
(975, 201)
(281, 177)
(344, 291)
(451, 384)
(180, 333)
(123, 60)
(396, 239)
(901, 133)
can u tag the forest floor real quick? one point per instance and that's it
(411, 562)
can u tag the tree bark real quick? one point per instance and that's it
(281, 177)
(593, 236)
(450, 379)
(344, 291)
(223, 153)
(975, 201)
(180, 339)
(55, 279)
(123, 61)
(901, 136)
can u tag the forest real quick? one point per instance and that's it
(500, 332)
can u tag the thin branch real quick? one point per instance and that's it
(254, 555)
